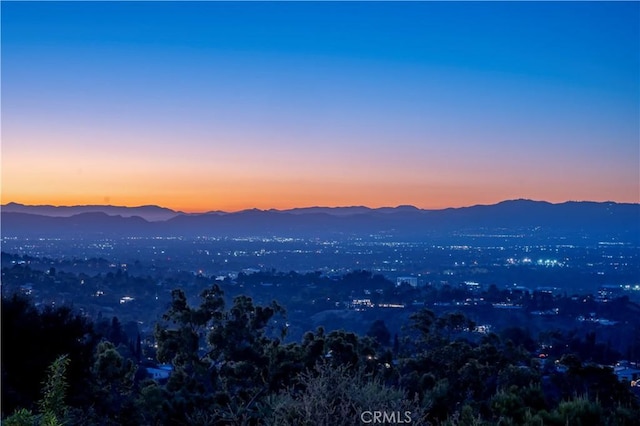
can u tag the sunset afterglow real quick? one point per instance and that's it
(227, 106)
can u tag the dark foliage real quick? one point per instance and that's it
(31, 340)
(229, 366)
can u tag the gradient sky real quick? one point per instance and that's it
(204, 106)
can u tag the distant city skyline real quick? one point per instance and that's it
(205, 106)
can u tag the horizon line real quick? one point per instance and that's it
(186, 211)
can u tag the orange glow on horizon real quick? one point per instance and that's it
(234, 204)
(239, 116)
(204, 182)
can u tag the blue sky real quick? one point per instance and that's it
(210, 105)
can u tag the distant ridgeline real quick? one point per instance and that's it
(532, 220)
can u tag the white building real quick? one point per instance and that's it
(412, 281)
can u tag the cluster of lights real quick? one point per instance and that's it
(361, 304)
(482, 329)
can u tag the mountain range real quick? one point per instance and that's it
(149, 213)
(597, 219)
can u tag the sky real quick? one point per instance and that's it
(228, 106)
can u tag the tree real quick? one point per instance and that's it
(116, 335)
(329, 395)
(52, 405)
(113, 380)
(423, 322)
(396, 344)
(380, 333)
(52, 408)
(520, 337)
(453, 322)
(32, 340)
(222, 360)
(242, 348)
(179, 340)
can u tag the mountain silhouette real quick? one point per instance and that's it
(518, 217)
(150, 213)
